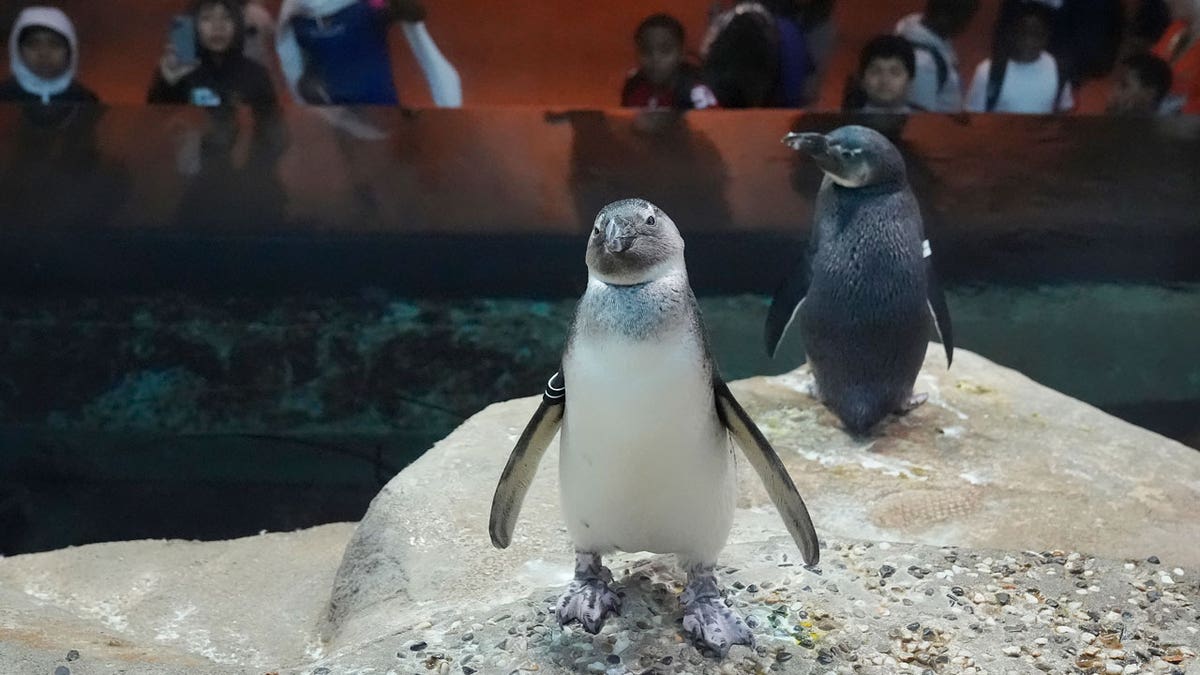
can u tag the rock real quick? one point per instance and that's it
(993, 460)
(1015, 477)
(169, 606)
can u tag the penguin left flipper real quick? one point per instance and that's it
(785, 305)
(523, 462)
(770, 470)
(940, 311)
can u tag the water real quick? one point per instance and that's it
(178, 416)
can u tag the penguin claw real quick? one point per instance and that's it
(711, 624)
(589, 602)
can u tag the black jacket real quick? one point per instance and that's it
(12, 92)
(230, 81)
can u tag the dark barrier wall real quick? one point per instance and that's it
(496, 201)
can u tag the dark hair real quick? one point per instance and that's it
(888, 47)
(670, 23)
(1035, 9)
(1151, 71)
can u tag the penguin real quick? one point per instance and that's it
(866, 292)
(646, 462)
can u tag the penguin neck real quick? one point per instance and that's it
(871, 190)
(634, 311)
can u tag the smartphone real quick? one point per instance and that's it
(183, 38)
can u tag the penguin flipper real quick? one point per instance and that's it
(938, 309)
(770, 470)
(785, 305)
(523, 462)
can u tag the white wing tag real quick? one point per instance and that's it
(926, 249)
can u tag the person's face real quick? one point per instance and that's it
(1032, 36)
(885, 81)
(1129, 96)
(215, 28)
(45, 53)
(659, 54)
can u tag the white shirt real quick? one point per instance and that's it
(924, 90)
(1027, 88)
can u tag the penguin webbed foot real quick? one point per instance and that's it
(708, 621)
(588, 600)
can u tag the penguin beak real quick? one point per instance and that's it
(616, 238)
(817, 147)
(812, 143)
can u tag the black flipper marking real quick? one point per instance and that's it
(785, 305)
(770, 470)
(523, 462)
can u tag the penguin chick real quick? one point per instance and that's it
(646, 462)
(866, 294)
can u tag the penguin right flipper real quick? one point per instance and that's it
(523, 462)
(785, 305)
(938, 309)
(771, 471)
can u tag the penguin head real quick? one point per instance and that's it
(632, 242)
(852, 156)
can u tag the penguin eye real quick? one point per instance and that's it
(595, 230)
(649, 220)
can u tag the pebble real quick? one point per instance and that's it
(73, 655)
(1012, 650)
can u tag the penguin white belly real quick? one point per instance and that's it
(645, 463)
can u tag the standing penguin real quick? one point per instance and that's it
(646, 462)
(867, 292)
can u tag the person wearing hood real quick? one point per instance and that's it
(223, 76)
(44, 56)
(335, 52)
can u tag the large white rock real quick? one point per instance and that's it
(994, 464)
(993, 460)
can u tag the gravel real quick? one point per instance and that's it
(963, 612)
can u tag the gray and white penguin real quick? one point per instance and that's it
(645, 462)
(866, 293)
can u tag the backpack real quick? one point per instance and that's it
(996, 72)
(943, 68)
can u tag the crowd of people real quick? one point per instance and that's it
(773, 53)
(328, 51)
(756, 53)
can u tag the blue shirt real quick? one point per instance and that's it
(349, 52)
(796, 64)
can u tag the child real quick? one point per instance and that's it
(1022, 77)
(886, 67)
(223, 76)
(663, 79)
(1140, 85)
(44, 55)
